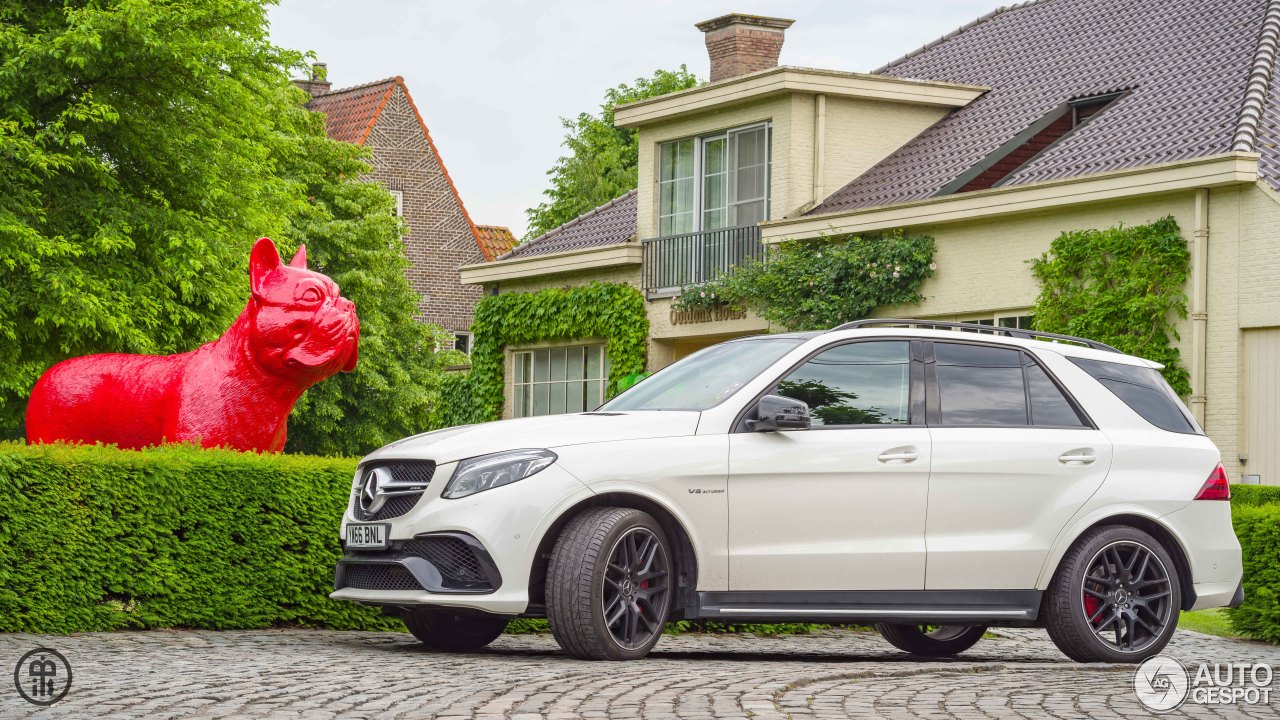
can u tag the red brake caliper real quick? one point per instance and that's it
(1091, 605)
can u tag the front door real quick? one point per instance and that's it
(840, 506)
(1013, 460)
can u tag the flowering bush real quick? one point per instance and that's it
(814, 285)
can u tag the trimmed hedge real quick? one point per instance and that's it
(95, 538)
(1255, 512)
(1254, 495)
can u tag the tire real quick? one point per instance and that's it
(1115, 597)
(932, 641)
(609, 584)
(453, 633)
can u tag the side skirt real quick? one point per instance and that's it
(934, 607)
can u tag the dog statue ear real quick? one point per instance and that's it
(262, 261)
(299, 258)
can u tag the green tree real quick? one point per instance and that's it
(144, 146)
(601, 160)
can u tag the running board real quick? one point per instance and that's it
(951, 607)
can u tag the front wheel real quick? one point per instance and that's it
(609, 584)
(453, 633)
(1115, 597)
(932, 640)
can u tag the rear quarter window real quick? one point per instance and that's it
(1145, 391)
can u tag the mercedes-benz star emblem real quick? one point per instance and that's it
(371, 497)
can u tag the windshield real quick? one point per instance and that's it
(706, 378)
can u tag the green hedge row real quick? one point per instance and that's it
(95, 538)
(1255, 512)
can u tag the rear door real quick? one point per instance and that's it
(840, 506)
(1014, 457)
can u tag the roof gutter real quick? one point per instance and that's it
(1214, 171)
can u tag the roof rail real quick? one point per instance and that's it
(975, 327)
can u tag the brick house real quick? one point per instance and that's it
(382, 116)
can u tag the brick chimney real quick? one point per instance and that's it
(318, 84)
(739, 44)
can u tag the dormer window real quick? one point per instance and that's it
(714, 181)
(1033, 141)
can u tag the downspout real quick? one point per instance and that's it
(1199, 305)
(819, 148)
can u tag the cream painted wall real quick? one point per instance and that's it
(859, 133)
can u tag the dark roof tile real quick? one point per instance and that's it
(610, 224)
(1185, 62)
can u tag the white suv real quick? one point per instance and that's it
(932, 478)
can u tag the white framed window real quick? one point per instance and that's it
(463, 341)
(1016, 319)
(399, 198)
(552, 381)
(714, 181)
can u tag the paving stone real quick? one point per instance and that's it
(318, 674)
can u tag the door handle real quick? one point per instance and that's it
(899, 455)
(1079, 456)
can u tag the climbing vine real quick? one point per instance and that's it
(817, 284)
(611, 311)
(1123, 286)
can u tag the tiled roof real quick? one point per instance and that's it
(611, 223)
(494, 241)
(1185, 63)
(351, 112)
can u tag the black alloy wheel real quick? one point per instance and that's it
(1127, 596)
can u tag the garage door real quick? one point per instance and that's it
(1262, 403)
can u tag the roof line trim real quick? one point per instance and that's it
(1255, 96)
(373, 119)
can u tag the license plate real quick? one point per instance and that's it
(367, 536)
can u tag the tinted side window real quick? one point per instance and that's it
(865, 383)
(1048, 405)
(980, 385)
(1144, 390)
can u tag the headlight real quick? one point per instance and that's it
(490, 471)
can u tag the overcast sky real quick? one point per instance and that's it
(493, 79)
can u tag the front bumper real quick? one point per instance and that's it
(494, 535)
(443, 562)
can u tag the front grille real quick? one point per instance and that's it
(457, 562)
(379, 576)
(419, 472)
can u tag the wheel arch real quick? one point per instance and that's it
(683, 553)
(1153, 527)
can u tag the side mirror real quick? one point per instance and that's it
(775, 412)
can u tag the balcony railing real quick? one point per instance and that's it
(672, 263)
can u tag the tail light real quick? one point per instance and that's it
(1216, 487)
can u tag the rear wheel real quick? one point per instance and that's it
(1115, 597)
(453, 633)
(609, 584)
(932, 640)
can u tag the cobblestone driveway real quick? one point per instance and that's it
(836, 673)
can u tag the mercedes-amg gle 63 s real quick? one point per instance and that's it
(932, 478)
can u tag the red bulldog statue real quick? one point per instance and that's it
(235, 392)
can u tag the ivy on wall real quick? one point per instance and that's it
(818, 284)
(611, 311)
(1123, 286)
